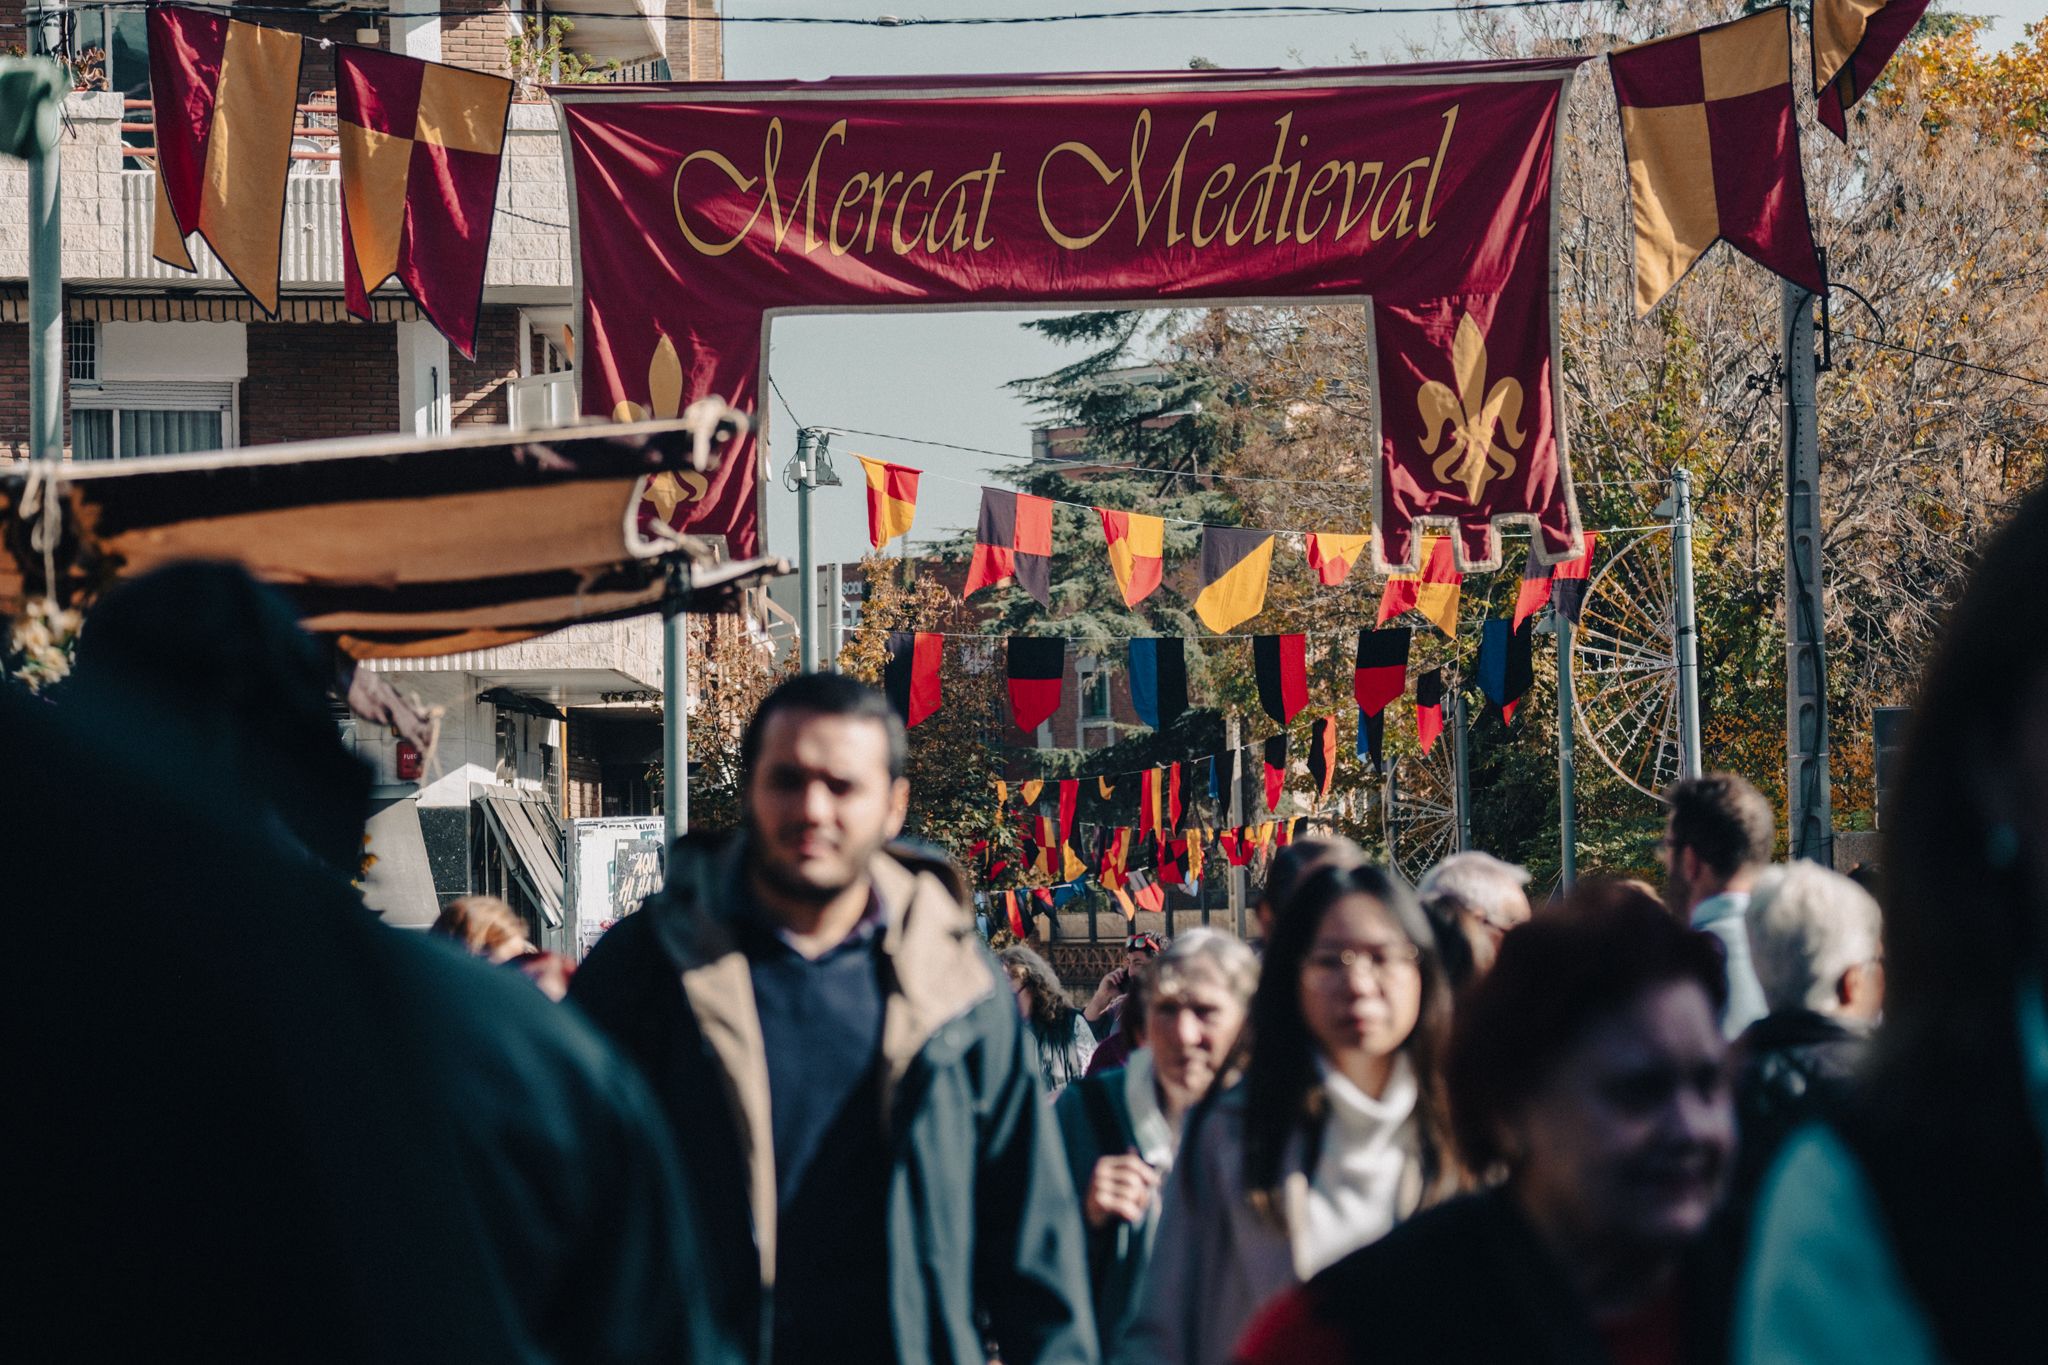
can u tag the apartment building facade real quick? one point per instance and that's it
(160, 361)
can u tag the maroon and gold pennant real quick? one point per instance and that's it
(224, 96)
(1713, 152)
(421, 146)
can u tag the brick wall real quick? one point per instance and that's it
(696, 51)
(14, 392)
(477, 38)
(480, 390)
(311, 380)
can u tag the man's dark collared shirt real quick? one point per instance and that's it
(821, 1026)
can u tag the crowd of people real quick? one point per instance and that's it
(795, 1110)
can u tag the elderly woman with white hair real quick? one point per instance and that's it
(1122, 1127)
(1472, 900)
(1815, 939)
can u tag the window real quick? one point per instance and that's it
(1095, 695)
(117, 419)
(82, 350)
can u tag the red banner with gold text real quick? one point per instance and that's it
(1422, 193)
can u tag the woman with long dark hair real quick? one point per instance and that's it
(1337, 1132)
(1913, 1225)
(1064, 1039)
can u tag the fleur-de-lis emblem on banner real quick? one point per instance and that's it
(664, 400)
(1471, 459)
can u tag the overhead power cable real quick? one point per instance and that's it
(887, 21)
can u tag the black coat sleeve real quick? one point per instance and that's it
(1032, 1266)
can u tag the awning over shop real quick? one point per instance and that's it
(505, 699)
(399, 885)
(531, 842)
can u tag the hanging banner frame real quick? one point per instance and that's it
(700, 214)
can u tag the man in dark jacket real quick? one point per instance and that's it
(1815, 939)
(847, 1076)
(246, 1120)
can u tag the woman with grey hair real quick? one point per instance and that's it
(1122, 1127)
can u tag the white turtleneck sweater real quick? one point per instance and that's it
(1355, 1189)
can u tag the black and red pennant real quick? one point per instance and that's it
(1429, 707)
(1382, 673)
(1276, 769)
(1564, 584)
(1322, 755)
(1070, 798)
(1037, 669)
(1013, 539)
(1281, 665)
(911, 676)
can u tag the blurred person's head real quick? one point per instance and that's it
(1041, 1000)
(823, 761)
(1589, 1067)
(485, 926)
(1350, 979)
(1472, 899)
(1188, 1008)
(213, 666)
(1814, 939)
(1717, 838)
(1293, 865)
(1965, 855)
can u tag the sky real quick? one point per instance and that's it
(942, 377)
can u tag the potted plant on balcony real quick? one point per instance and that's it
(539, 58)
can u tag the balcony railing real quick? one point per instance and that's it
(312, 233)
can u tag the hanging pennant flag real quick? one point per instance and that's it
(1037, 670)
(1159, 679)
(1853, 41)
(1116, 853)
(1506, 667)
(421, 144)
(1570, 580)
(1322, 755)
(1106, 787)
(1137, 550)
(892, 499)
(1194, 860)
(1429, 707)
(223, 96)
(1276, 769)
(1432, 591)
(1149, 894)
(1382, 673)
(911, 676)
(1235, 851)
(1029, 790)
(1372, 739)
(1071, 866)
(1280, 664)
(1331, 555)
(1012, 540)
(1235, 566)
(1173, 861)
(1015, 915)
(1286, 831)
(1534, 592)
(1713, 152)
(1151, 803)
(1070, 797)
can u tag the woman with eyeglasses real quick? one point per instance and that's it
(1337, 1132)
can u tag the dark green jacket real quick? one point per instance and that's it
(984, 1226)
(1095, 1122)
